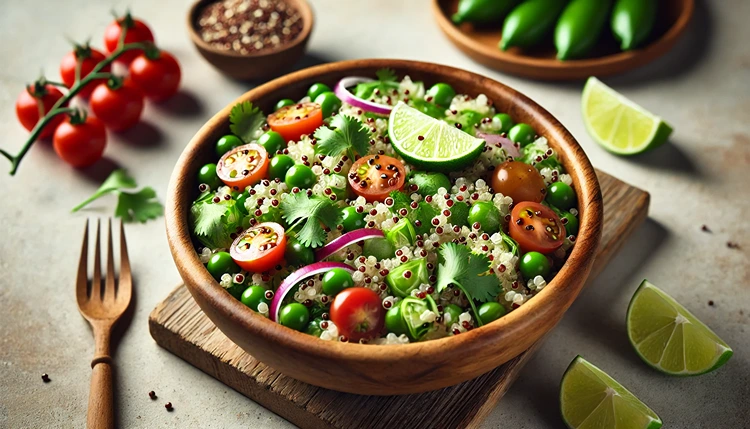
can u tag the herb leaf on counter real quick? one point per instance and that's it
(140, 206)
(300, 209)
(348, 134)
(246, 121)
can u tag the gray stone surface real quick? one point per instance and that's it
(700, 177)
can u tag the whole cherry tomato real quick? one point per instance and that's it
(80, 141)
(159, 77)
(117, 103)
(89, 58)
(37, 98)
(358, 313)
(136, 31)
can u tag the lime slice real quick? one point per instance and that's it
(430, 143)
(667, 337)
(618, 124)
(591, 399)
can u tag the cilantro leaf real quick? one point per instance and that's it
(140, 206)
(213, 223)
(400, 201)
(349, 134)
(424, 214)
(386, 75)
(247, 121)
(299, 209)
(117, 180)
(387, 81)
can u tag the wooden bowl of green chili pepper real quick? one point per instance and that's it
(563, 40)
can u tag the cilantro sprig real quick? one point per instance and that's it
(387, 80)
(347, 134)
(469, 271)
(246, 121)
(213, 223)
(140, 206)
(309, 213)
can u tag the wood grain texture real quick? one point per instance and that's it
(178, 325)
(481, 45)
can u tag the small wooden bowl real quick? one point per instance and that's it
(371, 369)
(256, 65)
(480, 44)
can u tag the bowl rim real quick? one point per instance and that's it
(308, 18)
(523, 318)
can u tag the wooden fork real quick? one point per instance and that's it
(102, 304)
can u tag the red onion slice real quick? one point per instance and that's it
(296, 277)
(504, 142)
(344, 95)
(347, 239)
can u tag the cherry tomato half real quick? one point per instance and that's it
(157, 78)
(375, 176)
(536, 227)
(119, 108)
(358, 313)
(28, 107)
(520, 181)
(137, 31)
(296, 120)
(243, 166)
(259, 248)
(89, 58)
(80, 145)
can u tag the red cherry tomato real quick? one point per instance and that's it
(119, 108)
(243, 166)
(259, 248)
(33, 99)
(358, 313)
(296, 120)
(536, 227)
(375, 176)
(80, 145)
(157, 78)
(89, 58)
(521, 182)
(137, 31)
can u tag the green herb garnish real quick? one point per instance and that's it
(213, 223)
(387, 81)
(400, 201)
(247, 121)
(140, 206)
(424, 214)
(349, 135)
(309, 212)
(386, 75)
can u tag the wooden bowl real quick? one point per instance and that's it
(255, 65)
(480, 44)
(393, 369)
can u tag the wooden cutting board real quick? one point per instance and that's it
(178, 325)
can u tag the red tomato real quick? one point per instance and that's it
(521, 182)
(157, 78)
(259, 248)
(34, 99)
(296, 120)
(536, 227)
(118, 108)
(80, 145)
(243, 166)
(375, 176)
(358, 313)
(137, 31)
(89, 58)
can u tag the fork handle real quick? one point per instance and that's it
(101, 410)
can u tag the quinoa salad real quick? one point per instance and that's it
(383, 212)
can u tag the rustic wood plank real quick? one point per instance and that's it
(178, 325)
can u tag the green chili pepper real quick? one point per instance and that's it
(580, 26)
(407, 277)
(632, 21)
(482, 11)
(527, 24)
(411, 308)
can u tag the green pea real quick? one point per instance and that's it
(534, 264)
(429, 183)
(336, 280)
(490, 311)
(352, 220)
(316, 89)
(522, 134)
(328, 102)
(283, 103)
(451, 313)
(227, 143)
(313, 328)
(487, 215)
(301, 176)
(571, 223)
(279, 165)
(272, 142)
(442, 94)
(220, 264)
(298, 255)
(294, 316)
(207, 175)
(394, 321)
(253, 296)
(502, 122)
(561, 195)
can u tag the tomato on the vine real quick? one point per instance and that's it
(358, 313)
(536, 227)
(260, 248)
(89, 58)
(36, 99)
(296, 120)
(375, 176)
(137, 31)
(157, 74)
(118, 103)
(80, 141)
(243, 166)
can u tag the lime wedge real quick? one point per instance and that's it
(670, 339)
(591, 399)
(429, 143)
(618, 124)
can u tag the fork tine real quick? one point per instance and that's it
(125, 284)
(82, 280)
(109, 286)
(96, 281)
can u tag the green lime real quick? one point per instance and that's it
(618, 124)
(669, 338)
(591, 399)
(429, 143)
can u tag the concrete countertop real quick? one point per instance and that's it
(702, 88)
